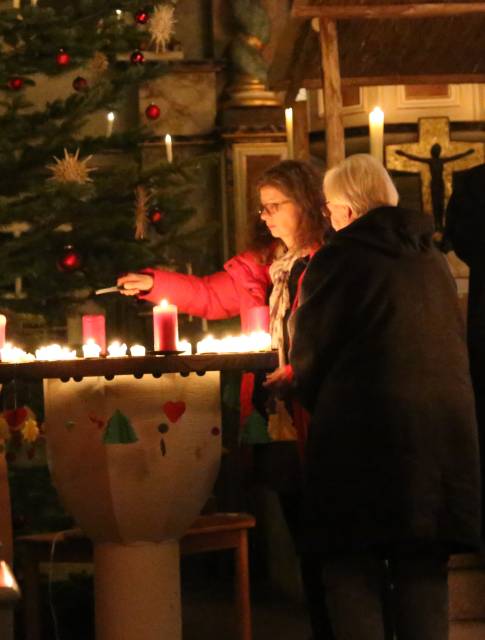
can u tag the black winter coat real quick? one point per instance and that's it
(465, 231)
(380, 360)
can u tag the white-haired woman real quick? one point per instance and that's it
(379, 357)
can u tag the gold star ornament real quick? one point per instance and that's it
(71, 169)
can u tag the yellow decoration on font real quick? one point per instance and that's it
(30, 430)
(4, 429)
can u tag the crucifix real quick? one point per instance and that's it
(435, 157)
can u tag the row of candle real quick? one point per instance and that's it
(165, 339)
(257, 341)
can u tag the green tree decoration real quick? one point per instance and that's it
(119, 430)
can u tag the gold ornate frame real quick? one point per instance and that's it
(249, 161)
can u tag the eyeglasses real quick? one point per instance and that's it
(271, 207)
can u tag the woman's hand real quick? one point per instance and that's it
(278, 381)
(134, 283)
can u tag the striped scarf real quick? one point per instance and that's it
(279, 301)
(280, 422)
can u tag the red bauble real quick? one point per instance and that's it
(137, 57)
(156, 215)
(152, 112)
(80, 84)
(63, 58)
(70, 260)
(142, 16)
(16, 83)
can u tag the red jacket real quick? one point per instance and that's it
(242, 285)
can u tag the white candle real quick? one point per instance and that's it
(91, 349)
(137, 350)
(185, 347)
(9, 353)
(168, 147)
(289, 132)
(117, 350)
(53, 352)
(244, 343)
(119, 13)
(376, 133)
(110, 117)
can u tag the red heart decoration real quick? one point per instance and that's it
(15, 417)
(99, 422)
(174, 410)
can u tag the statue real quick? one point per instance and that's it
(250, 74)
(436, 164)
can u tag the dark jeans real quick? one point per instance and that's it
(402, 595)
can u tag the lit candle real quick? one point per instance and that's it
(165, 327)
(117, 350)
(119, 13)
(3, 324)
(168, 147)
(94, 329)
(137, 350)
(289, 132)
(9, 353)
(110, 119)
(54, 352)
(185, 347)
(244, 343)
(376, 133)
(91, 349)
(258, 319)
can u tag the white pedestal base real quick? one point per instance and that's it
(137, 591)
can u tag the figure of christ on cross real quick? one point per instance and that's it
(436, 163)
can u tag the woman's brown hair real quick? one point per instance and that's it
(303, 185)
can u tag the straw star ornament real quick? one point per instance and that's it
(161, 26)
(71, 169)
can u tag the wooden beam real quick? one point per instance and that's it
(302, 53)
(332, 92)
(370, 81)
(381, 11)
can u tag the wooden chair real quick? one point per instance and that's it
(212, 532)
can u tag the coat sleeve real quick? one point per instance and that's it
(243, 284)
(322, 323)
(213, 297)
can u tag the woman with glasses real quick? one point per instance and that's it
(286, 230)
(391, 467)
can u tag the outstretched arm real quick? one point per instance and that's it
(457, 156)
(411, 156)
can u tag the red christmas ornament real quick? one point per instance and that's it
(156, 215)
(16, 83)
(63, 58)
(137, 57)
(80, 84)
(152, 112)
(70, 260)
(142, 16)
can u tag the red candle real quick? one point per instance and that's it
(94, 328)
(165, 327)
(257, 319)
(3, 323)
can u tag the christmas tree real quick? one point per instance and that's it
(78, 208)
